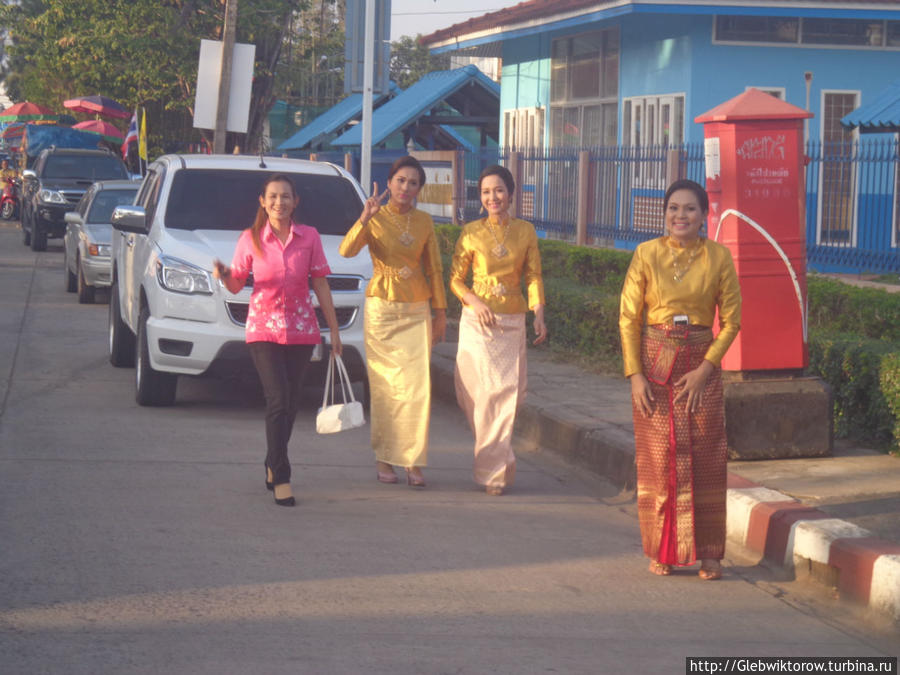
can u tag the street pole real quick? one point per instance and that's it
(365, 168)
(228, 35)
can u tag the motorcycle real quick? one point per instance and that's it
(9, 200)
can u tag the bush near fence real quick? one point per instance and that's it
(854, 341)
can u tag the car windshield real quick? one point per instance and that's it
(107, 200)
(221, 199)
(93, 167)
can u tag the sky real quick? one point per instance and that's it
(411, 17)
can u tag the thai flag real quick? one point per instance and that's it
(132, 135)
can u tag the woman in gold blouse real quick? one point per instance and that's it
(399, 329)
(490, 364)
(672, 290)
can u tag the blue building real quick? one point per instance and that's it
(635, 74)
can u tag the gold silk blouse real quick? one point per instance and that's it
(498, 281)
(651, 295)
(400, 273)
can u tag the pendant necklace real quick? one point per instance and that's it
(681, 267)
(405, 238)
(500, 250)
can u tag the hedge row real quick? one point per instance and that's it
(854, 332)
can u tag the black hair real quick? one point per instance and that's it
(686, 184)
(505, 176)
(407, 161)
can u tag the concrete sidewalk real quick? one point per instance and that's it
(835, 520)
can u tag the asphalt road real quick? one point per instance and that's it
(140, 540)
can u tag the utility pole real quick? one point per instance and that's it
(228, 34)
(365, 168)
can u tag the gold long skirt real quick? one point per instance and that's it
(398, 358)
(491, 378)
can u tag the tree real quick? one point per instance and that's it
(139, 52)
(410, 60)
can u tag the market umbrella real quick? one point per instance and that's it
(101, 128)
(97, 105)
(27, 111)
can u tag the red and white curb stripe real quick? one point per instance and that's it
(785, 531)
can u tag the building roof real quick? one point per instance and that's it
(329, 122)
(465, 89)
(881, 115)
(753, 104)
(477, 34)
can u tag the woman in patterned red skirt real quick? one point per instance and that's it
(672, 290)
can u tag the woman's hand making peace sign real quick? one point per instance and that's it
(373, 204)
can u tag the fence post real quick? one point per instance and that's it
(673, 166)
(514, 164)
(581, 217)
(348, 164)
(313, 157)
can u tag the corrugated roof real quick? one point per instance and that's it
(329, 121)
(880, 116)
(540, 10)
(417, 101)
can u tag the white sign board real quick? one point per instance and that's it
(209, 72)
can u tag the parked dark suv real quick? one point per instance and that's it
(54, 185)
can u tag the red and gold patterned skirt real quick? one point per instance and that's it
(681, 456)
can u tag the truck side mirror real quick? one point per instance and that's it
(130, 218)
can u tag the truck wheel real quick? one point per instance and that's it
(71, 281)
(152, 388)
(121, 339)
(38, 237)
(85, 292)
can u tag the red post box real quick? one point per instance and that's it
(757, 195)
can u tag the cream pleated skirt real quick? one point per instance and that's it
(398, 359)
(491, 377)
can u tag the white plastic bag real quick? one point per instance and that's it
(333, 417)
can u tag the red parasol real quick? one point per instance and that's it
(101, 128)
(97, 105)
(27, 111)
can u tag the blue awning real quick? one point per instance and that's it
(880, 116)
(416, 102)
(329, 122)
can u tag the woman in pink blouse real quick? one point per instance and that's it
(286, 259)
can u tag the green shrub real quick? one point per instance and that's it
(890, 389)
(837, 307)
(852, 366)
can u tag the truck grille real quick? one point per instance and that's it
(336, 282)
(237, 311)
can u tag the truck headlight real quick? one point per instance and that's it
(98, 250)
(181, 277)
(51, 197)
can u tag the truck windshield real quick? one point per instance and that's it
(93, 168)
(220, 199)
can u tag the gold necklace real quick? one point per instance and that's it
(405, 237)
(680, 267)
(500, 250)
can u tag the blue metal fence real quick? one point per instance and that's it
(852, 205)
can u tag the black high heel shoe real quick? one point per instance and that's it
(283, 496)
(270, 485)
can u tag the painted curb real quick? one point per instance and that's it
(791, 535)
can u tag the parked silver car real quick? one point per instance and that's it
(88, 235)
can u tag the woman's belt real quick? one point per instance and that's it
(404, 272)
(492, 289)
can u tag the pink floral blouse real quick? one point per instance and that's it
(280, 308)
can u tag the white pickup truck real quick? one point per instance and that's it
(168, 316)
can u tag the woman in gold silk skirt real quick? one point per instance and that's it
(673, 288)
(407, 286)
(491, 371)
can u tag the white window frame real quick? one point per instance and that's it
(647, 177)
(524, 128)
(854, 180)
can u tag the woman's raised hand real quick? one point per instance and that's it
(373, 204)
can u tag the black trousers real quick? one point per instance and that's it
(281, 369)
